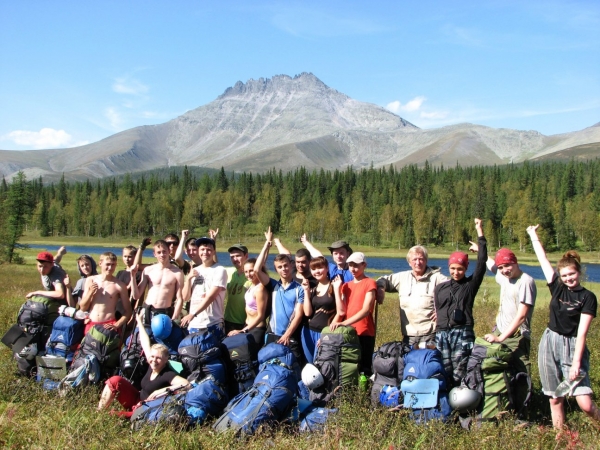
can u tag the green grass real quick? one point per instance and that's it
(34, 419)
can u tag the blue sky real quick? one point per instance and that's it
(74, 72)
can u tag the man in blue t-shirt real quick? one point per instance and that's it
(340, 250)
(288, 296)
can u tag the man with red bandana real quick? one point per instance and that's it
(517, 299)
(454, 307)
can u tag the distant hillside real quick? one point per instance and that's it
(287, 122)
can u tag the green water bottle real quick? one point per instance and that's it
(362, 382)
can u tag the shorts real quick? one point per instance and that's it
(90, 325)
(427, 339)
(555, 357)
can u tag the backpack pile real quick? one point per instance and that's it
(338, 359)
(201, 355)
(424, 388)
(244, 363)
(388, 369)
(35, 317)
(271, 398)
(104, 344)
(492, 372)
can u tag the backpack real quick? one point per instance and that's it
(65, 337)
(388, 368)
(338, 359)
(243, 360)
(424, 388)
(36, 316)
(104, 344)
(133, 364)
(315, 419)
(174, 340)
(88, 371)
(207, 398)
(491, 372)
(200, 354)
(166, 410)
(270, 399)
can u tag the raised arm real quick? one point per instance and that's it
(181, 248)
(281, 248)
(144, 338)
(307, 305)
(138, 255)
(482, 255)
(213, 235)
(540, 252)
(262, 259)
(62, 250)
(311, 248)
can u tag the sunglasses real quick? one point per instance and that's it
(169, 243)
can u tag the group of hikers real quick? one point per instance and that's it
(312, 292)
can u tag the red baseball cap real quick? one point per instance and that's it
(45, 257)
(505, 256)
(459, 258)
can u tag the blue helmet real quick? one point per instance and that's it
(161, 326)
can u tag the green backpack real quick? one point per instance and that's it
(104, 344)
(490, 370)
(338, 359)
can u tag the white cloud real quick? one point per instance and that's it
(45, 138)
(114, 117)
(411, 106)
(129, 86)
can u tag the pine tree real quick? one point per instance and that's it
(16, 208)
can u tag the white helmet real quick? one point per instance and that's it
(29, 351)
(311, 377)
(464, 399)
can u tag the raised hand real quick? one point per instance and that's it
(269, 235)
(213, 234)
(474, 247)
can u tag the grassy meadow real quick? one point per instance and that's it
(34, 419)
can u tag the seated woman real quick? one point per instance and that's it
(159, 379)
(86, 267)
(256, 297)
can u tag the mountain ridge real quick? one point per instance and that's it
(286, 122)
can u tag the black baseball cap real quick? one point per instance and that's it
(205, 240)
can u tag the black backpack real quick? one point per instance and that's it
(244, 361)
(388, 367)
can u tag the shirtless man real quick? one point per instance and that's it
(102, 294)
(165, 281)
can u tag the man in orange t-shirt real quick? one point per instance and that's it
(359, 296)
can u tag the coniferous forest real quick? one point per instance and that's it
(378, 207)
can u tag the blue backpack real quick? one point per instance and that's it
(243, 361)
(167, 410)
(424, 388)
(65, 337)
(87, 372)
(208, 398)
(315, 419)
(174, 340)
(200, 354)
(271, 397)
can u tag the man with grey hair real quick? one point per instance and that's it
(415, 291)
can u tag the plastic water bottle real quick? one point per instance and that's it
(567, 386)
(363, 382)
(73, 313)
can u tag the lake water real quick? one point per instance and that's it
(390, 265)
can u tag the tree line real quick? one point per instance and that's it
(385, 206)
